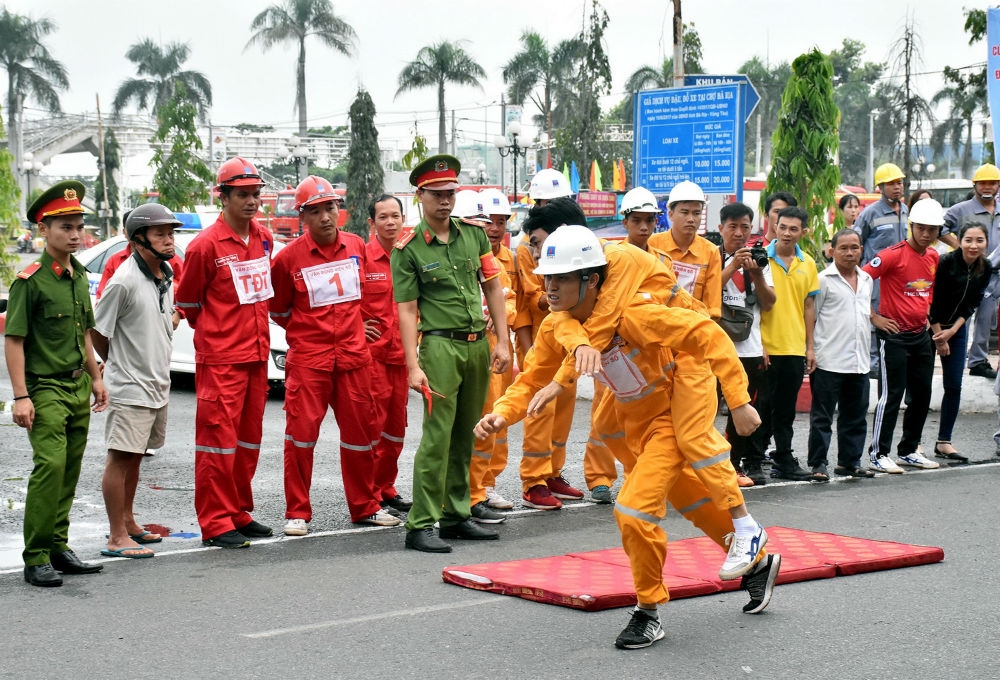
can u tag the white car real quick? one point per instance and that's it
(182, 357)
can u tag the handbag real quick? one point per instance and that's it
(737, 322)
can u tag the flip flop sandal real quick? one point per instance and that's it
(142, 539)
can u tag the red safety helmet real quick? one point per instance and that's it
(312, 190)
(238, 172)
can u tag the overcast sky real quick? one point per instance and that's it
(251, 86)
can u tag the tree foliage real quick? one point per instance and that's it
(364, 164)
(160, 75)
(854, 83)
(805, 144)
(9, 219)
(112, 162)
(181, 177)
(435, 66)
(292, 21)
(909, 112)
(417, 153)
(962, 93)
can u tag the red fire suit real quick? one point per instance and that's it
(389, 378)
(317, 299)
(224, 295)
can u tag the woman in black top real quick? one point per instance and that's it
(961, 277)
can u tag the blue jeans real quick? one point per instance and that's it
(951, 374)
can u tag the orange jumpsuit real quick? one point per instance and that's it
(543, 449)
(662, 472)
(489, 456)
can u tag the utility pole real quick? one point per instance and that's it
(106, 230)
(678, 46)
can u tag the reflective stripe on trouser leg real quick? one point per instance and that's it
(390, 392)
(58, 438)
(693, 406)
(460, 371)
(642, 502)
(228, 423)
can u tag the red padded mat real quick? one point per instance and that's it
(601, 579)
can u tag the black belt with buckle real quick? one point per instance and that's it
(67, 375)
(458, 335)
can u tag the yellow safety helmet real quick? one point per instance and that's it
(888, 172)
(987, 173)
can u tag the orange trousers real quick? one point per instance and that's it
(489, 456)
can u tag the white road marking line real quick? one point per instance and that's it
(374, 617)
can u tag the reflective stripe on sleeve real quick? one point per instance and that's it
(708, 462)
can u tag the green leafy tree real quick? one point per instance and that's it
(854, 86)
(364, 164)
(961, 92)
(909, 112)
(329, 131)
(250, 128)
(160, 78)
(181, 177)
(805, 144)
(292, 21)
(112, 162)
(435, 66)
(417, 153)
(9, 219)
(769, 82)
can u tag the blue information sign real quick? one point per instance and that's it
(748, 93)
(689, 133)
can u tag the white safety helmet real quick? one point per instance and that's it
(469, 208)
(548, 184)
(570, 248)
(640, 199)
(494, 202)
(685, 191)
(927, 211)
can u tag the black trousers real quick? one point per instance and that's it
(750, 450)
(907, 363)
(846, 393)
(784, 378)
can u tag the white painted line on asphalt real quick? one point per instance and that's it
(374, 617)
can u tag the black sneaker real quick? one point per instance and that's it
(230, 539)
(398, 503)
(756, 474)
(760, 583)
(255, 530)
(983, 370)
(482, 514)
(790, 469)
(642, 631)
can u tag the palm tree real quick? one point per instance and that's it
(32, 72)
(162, 68)
(435, 65)
(536, 66)
(956, 130)
(294, 21)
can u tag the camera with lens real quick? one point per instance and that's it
(758, 254)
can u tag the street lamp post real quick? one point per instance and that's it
(511, 148)
(922, 169)
(870, 177)
(481, 177)
(29, 166)
(301, 156)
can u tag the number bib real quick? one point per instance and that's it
(332, 283)
(252, 280)
(620, 374)
(687, 275)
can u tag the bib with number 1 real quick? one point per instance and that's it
(252, 279)
(332, 283)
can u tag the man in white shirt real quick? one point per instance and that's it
(838, 369)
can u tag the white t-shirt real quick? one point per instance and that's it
(734, 294)
(139, 332)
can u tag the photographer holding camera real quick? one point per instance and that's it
(746, 287)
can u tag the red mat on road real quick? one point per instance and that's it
(601, 579)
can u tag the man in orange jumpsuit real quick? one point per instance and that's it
(224, 294)
(388, 368)
(317, 300)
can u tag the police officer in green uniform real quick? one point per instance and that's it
(53, 372)
(438, 271)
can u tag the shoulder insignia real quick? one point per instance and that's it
(404, 239)
(29, 270)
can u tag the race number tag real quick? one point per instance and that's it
(620, 374)
(687, 275)
(252, 279)
(332, 283)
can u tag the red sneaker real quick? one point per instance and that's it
(742, 480)
(539, 497)
(560, 488)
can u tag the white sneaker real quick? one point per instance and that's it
(918, 460)
(381, 519)
(296, 527)
(496, 501)
(742, 553)
(885, 464)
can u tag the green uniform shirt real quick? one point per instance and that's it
(51, 310)
(442, 277)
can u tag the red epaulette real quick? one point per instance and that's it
(404, 239)
(29, 270)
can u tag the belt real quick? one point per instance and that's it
(66, 375)
(458, 335)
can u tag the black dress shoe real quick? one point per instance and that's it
(68, 563)
(424, 540)
(468, 530)
(255, 530)
(398, 503)
(42, 575)
(983, 370)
